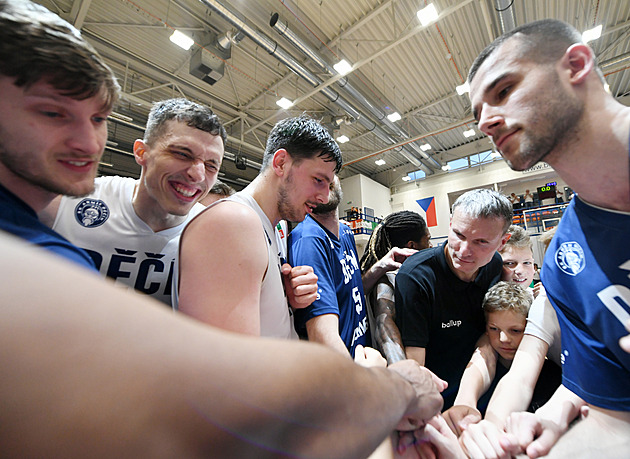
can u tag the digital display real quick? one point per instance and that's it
(546, 192)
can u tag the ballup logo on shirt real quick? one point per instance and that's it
(91, 213)
(570, 258)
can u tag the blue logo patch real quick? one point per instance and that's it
(91, 213)
(570, 258)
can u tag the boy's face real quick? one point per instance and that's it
(518, 265)
(505, 330)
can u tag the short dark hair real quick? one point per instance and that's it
(396, 230)
(222, 189)
(485, 203)
(543, 41)
(184, 111)
(37, 45)
(303, 138)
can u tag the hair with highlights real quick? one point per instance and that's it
(484, 203)
(507, 296)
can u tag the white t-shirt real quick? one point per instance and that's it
(543, 323)
(123, 246)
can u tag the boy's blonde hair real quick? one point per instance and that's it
(507, 296)
(519, 239)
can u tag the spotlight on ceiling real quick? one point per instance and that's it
(380, 162)
(425, 147)
(342, 67)
(427, 15)
(469, 133)
(284, 103)
(393, 117)
(592, 34)
(343, 139)
(182, 40)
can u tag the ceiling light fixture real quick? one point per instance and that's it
(425, 147)
(406, 178)
(469, 133)
(343, 139)
(446, 167)
(393, 117)
(342, 67)
(284, 103)
(592, 34)
(182, 40)
(462, 88)
(380, 162)
(427, 15)
(495, 154)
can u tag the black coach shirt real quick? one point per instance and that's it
(437, 311)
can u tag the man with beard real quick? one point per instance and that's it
(131, 227)
(56, 96)
(244, 291)
(338, 317)
(537, 92)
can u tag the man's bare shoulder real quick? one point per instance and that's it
(228, 215)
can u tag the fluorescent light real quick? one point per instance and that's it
(342, 67)
(106, 164)
(469, 133)
(380, 162)
(343, 139)
(393, 117)
(446, 167)
(284, 103)
(463, 88)
(425, 147)
(427, 14)
(181, 40)
(592, 34)
(406, 178)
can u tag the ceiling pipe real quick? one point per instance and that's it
(283, 30)
(506, 15)
(296, 67)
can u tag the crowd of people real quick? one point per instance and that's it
(447, 351)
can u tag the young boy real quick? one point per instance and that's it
(506, 306)
(518, 258)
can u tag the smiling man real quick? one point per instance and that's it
(130, 227)
(56, 94)
(235, 280)
(439, 291)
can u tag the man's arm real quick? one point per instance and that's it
(386, 332)
(324, 329)
(475, 381)
(514, 391)
(416, 353)
(164, 385)
(223, 259)
(390, 262)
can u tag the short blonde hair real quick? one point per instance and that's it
(507, 296)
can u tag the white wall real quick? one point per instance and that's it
(360, 191)
(444, 188)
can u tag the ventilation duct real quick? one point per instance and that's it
(296, 67)
(209, 64)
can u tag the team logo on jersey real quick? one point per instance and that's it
(570, 258)
(91, 212)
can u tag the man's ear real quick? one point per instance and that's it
(578, 59)
(139, 149)
(506, 237)
(280, 162)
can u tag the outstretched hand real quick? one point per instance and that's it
(428, 401)
(300, 284)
